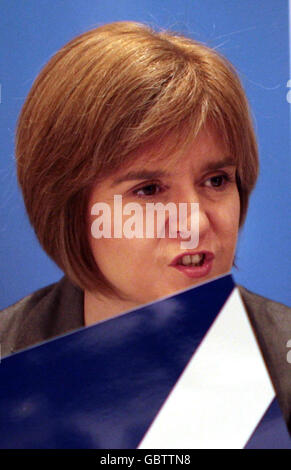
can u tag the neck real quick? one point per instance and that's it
(98, 307)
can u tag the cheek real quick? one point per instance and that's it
(236, 210)
(113, 252)
(227, 218)
(119, 257)
(232, 223)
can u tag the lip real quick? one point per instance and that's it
(194, 271)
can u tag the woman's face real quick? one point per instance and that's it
(145, 269)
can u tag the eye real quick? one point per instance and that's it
(217, 181)
(151, 189)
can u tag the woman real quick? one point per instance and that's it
(151, 118)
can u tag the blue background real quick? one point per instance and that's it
(251, 33)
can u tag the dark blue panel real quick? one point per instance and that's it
(102, 386)
(271, 432)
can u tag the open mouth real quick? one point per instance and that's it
(192, 260)
(194, 265)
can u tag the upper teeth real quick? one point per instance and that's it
(191, 259)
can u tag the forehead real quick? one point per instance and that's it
(171, 154)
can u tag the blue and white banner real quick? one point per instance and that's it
(182, 372)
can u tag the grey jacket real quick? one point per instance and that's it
(58, 309)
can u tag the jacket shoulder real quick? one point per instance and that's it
(48, 312)
(271, 322)
(257, 302)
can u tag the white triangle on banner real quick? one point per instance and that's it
(223, 392)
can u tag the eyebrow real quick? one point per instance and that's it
(141, 175)
(155, 174)
(227, 161)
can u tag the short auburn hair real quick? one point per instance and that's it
(97, 101)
